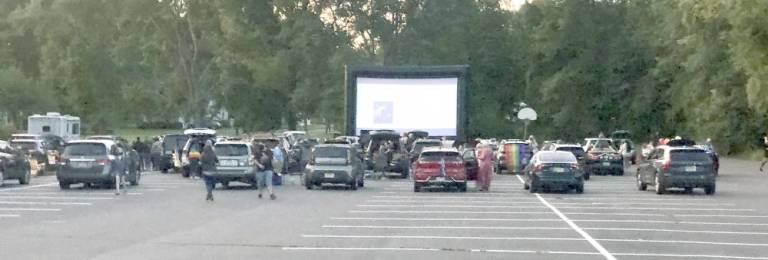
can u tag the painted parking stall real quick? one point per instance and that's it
(611, 220)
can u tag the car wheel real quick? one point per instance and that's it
(640, 184)
(164, 170)
(580, 188)
(361, 182)
(64, 185)
(27, 177)
(710, 189)
(660, 189)
(534, 186)
(353, 185)
(620, 172)
(526, 186)
(462, 187)
(416, 187)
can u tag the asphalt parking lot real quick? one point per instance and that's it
(166, 218)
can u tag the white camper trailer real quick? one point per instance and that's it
(65, 126)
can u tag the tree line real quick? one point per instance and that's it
(654, 67)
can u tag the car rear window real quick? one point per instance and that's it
(438, 155)
(330, 152)
(689, 155)
(174, 142)
(574, 150)
(85, 150)
(24, 145)
(418, 147)
(231, 149)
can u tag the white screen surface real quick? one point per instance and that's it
(429, 104)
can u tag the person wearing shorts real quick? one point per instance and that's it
(264, 170)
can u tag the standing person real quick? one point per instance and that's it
(765, 150)
(155, 153)
(208, 161)
(623, 149)
(485, 166)
(263, 163)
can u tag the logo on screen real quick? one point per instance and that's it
(382, 112)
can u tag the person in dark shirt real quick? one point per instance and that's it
(208, 161)
(262, 161)
(764, 145)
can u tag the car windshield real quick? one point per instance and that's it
(331, 152)
(578, 151)
(174, 142)
(438, 155)
(689, 155)
(231, 149)
(24, 145)
(85, 149)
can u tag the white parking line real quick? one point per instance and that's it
(443, 227)
(720, 216)
(433, 202)
(361, 248)
(669, 222)
(693, 256)
(426, 197)
(657, 208)
(54, 198)
(447, 237)
(9, 216)
(643, 203)
(436, 249)
(30, 187)
(575, 227)
(679, 231)
(45, 203)
(447, 206)
(29, 209)
(684, 242)
(447, 212)
(447, 219)
(63, 194)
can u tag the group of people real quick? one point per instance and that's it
(149, 152)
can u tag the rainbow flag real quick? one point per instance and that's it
(516, 154)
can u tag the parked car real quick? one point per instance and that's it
(413, 136)
(129, 157)
(471, 165)
(513, 156)
(197, 138)
(553, 170)
(602, 158)
(14, 165)
(399, 162)
(577, 151)
(684, 167)
(90, 162)
(234, 163)
(170, 159)
(419, 146)
(439, 166)
(335, 164)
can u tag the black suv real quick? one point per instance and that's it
(684, 167)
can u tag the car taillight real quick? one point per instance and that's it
(102, 161)
(538, 168)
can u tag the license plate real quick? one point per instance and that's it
(690, 168)
(228, 163)
(558, 170)
(606, 164)
(329, 175)
(81, 165)
(440, 179)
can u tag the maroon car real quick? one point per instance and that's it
(443, 167)
(470, 163)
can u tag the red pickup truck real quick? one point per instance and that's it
(437, 166)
